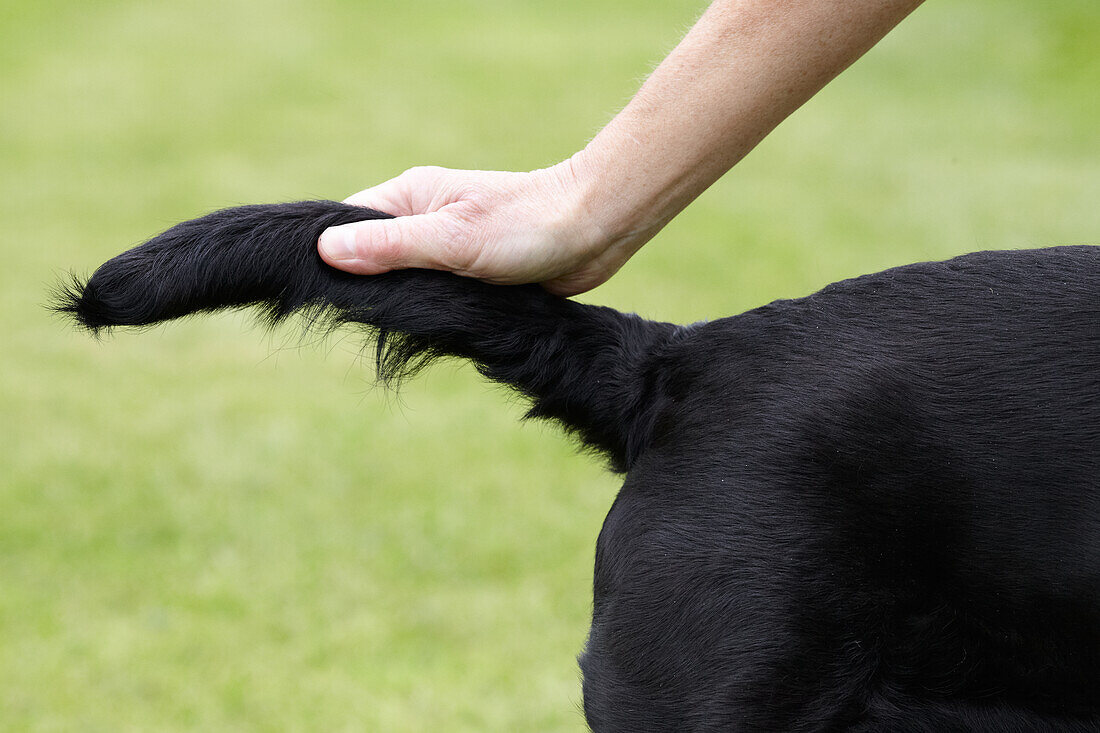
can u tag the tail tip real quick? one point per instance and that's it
(74, 298)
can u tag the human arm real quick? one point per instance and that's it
(741, 70)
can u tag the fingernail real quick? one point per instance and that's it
(338, 243)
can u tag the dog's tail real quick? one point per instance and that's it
(590, 368)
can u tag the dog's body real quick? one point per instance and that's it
(876, 508)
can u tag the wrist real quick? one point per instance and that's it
(585, 221)
(611, 209)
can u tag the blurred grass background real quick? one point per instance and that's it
(203, 528)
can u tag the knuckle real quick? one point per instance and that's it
(379, 244)
(453, 243)
(424, 172)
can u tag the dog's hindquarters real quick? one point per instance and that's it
(582, 365)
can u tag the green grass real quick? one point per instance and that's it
(205, 528)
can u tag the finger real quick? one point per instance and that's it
(416, 191)
(380, 245)
(389, 197)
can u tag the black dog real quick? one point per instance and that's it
(876, 508)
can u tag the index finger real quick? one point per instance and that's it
(389, 197)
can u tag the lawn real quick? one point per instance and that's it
(206, 527)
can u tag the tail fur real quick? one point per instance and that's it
(588, 367)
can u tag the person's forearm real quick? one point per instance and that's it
(743, 68)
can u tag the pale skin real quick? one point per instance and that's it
(740, 71)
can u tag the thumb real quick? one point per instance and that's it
(380, 245)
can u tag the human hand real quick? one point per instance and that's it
(504, 228)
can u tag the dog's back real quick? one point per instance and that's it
(875, 508)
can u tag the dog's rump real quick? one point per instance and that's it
(879, 503)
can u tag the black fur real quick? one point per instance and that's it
(876, 508)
